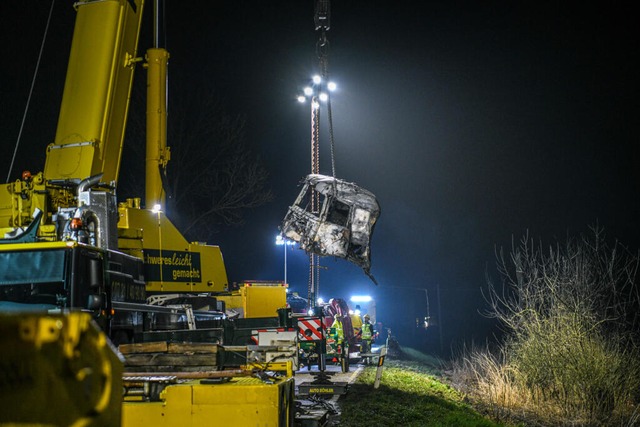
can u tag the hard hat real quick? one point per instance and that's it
(367, 317)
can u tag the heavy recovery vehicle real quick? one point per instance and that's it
(65, 241)
(70, 251)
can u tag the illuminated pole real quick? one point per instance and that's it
(281, 241)
(317, 93)
(314, 260)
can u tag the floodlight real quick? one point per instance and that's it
(361, 298)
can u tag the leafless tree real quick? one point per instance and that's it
(213, 176)
(585, 276)
(572, 323)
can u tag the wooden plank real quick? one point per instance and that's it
(167, 359)
(144, 347)
(195, 347)
(235, 348)
(160, 369)
(194, 374)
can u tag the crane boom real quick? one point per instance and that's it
(94, 105)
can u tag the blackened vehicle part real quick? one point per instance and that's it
(343, 226)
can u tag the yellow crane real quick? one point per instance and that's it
(68, 213)
(71, 255)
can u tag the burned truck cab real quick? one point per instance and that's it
(339, 223)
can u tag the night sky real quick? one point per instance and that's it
(472, 122)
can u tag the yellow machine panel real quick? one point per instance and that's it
(243, 401)
(260, 300)
(171, 263)
(257, 299)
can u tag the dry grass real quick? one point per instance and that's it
(499, 387)
(571, 355)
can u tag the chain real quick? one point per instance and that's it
(322, 19)
(315, 197)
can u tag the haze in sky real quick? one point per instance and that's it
(473, 123)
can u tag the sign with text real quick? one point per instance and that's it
(172, 266)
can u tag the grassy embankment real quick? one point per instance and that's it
(409, 395)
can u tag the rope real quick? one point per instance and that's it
(33, 82)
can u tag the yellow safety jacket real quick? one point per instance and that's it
(367, 331)
(337, 324)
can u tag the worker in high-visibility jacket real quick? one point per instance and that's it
(342, 346)
(356, 322)
(339, 330)
(367, 334)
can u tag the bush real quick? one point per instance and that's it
(571, 318)
(576, 368)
